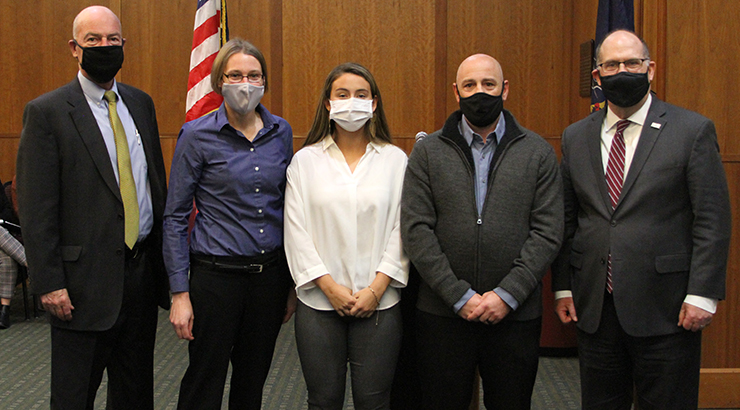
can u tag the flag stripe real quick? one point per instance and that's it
(198, 91)
(209, 34)
(206, 104)
(206, 11)
(205, 49)
(207, 29)
(201, 71)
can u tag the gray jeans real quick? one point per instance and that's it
(327, 341)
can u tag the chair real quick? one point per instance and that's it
(23, 281)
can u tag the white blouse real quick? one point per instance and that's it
(343, 223)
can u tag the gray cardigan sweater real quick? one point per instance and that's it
(510, 244)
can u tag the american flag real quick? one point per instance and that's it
(209, 34)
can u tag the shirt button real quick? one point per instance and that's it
(262, 231)
(256, 168)
(259, 211)
(257, 190)
(251, 149)
(263, 251)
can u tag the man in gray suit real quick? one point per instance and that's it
(647, 217)
(91, 189)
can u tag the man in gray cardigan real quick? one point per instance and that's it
(481, 219)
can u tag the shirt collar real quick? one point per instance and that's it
(93, 91)
(638, 117)
(468, 132)
(328, 141)
(267, 121)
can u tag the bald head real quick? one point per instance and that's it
(479, 63)
(480, 73)
(94, 15)
(621, 40)
(97, 26)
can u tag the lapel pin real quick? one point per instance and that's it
(655, 125)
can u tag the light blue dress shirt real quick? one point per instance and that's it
(99, 106)
(482, 154)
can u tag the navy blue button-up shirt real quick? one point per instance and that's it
(238, 186)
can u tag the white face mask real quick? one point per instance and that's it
(242, 97)
(351, 114)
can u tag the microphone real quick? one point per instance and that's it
(10, 225)
(420, 136)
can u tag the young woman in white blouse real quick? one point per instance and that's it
(343, 243)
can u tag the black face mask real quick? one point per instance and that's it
(625, 89)
(101, 63)
(482, 109)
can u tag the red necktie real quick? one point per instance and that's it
(614, 180)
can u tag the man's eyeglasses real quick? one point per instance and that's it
(254, 78)
(632, 64)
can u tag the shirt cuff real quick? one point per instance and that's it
(179, 282)
(563, 294)
(506, 297)
(708, 304)
(463, 300)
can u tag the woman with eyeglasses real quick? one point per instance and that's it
(343, 243)
(232, 163)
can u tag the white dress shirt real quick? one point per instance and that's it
(344, 223)
(631, 139)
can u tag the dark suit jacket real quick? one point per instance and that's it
(70, 204)
(668, 236)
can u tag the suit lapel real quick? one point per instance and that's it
(87, 128)
(647, 141)
(594, 150)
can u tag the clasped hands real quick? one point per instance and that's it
(361, 304)
(488, 308)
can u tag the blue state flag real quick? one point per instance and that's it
(612, 15)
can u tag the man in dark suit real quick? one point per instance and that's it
(91, 187)
(647, 218)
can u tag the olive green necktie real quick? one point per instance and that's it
(125, 175)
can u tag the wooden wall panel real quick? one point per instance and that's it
(583, 29)
(532, 41)
(158, 55)
(721, 341)
(394, 39)
(254, 21)
(701, 56)
(32, 68)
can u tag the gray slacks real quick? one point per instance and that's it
(327, 341)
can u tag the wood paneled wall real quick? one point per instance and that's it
(413, 48)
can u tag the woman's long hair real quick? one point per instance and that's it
(376, 128)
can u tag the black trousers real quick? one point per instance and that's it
(237, 318)
(450, 348)
(78, 359)
(663, 369)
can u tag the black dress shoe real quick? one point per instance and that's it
(4, 317)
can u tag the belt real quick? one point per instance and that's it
(249, 264)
